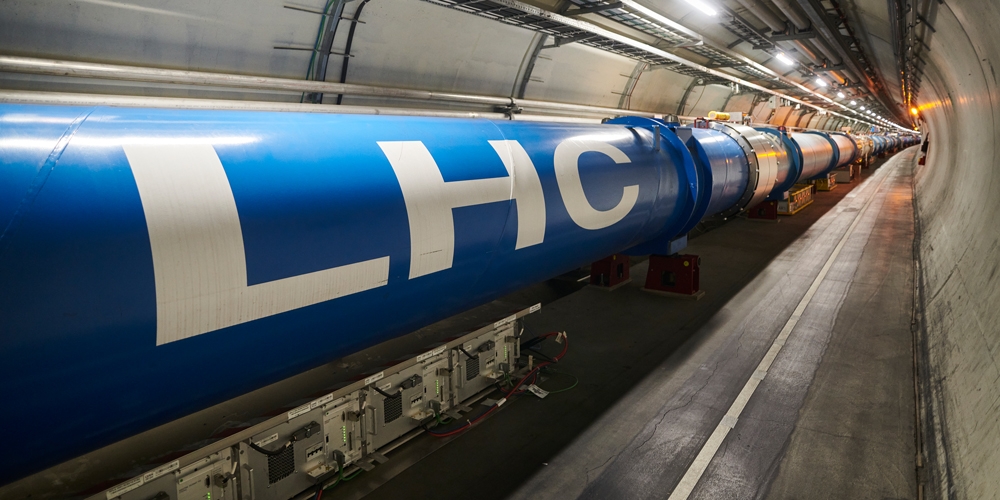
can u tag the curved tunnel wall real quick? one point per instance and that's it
(958, 207)
(399, 45)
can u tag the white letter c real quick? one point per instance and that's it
(567, 169)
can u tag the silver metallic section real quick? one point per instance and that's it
(817, 153)
(865, 145)
(784, 163)
(51, 67)
(70, 99)
(765, 157)
(848, 148)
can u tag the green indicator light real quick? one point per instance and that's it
(505, 357)
(344, 429)
(437, 386)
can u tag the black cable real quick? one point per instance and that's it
(347, 48)
(270, 453)
(466, 352)
(386, 394)
(546, 357)
(531, 343)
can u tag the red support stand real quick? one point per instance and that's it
(611, 272)
(674, 275)
(767, 210)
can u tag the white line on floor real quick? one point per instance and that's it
(711, 447)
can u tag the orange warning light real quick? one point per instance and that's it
(914, 111)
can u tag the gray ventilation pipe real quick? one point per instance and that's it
(802, 22)
(807, 51)
(764, 13)
(799, 20)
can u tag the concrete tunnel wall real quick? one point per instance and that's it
(958, 207)
(400, 45)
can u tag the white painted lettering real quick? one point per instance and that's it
(567, 157)
(199, 263)
(430, 200)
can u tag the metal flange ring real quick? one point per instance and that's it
(763, 159)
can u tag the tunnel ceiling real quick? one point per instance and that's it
(897, 34)
(663, 56)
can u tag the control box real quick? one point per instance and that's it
(340, 432)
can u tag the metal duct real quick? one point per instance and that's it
(260, 83)
(764, 13)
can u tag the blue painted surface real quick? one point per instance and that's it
(688, 186)
(720, 156)
(78, 353)
(78, 356)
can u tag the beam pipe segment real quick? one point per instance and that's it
(145, 243)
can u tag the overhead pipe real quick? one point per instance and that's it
(72, 99)
(156, 251)
(777, 25)
(820, 24)
(764, 13)
(802, 23)
(257, 83)
(15, 64)
(806, 50)
(798, 20)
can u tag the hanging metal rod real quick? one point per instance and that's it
(29, 65)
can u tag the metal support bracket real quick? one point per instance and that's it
(591, 10)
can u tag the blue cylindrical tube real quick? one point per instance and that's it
(144, 251)
(817, 153)
(720, 156)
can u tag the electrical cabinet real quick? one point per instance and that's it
(340, 431)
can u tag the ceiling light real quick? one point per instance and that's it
(913, 111)
(841, 95)
(862, 108)
(821, 82)
(787, 61)
(854, 103)
(702, 6)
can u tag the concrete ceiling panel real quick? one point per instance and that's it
(579, 74)
(659, 90)
(187, 34)
(706, 98)
(401, 45)
(741, 103)
(781, 115)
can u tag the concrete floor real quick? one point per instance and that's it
(831, 417)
